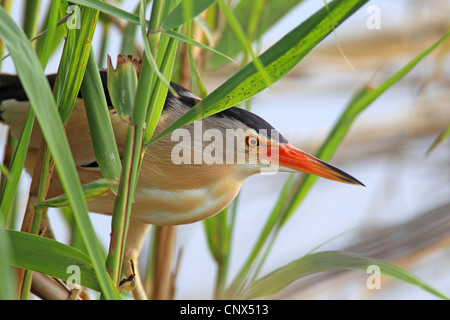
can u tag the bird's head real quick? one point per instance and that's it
(265, 150)
(245, 142)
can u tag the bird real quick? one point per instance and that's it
(182, 179)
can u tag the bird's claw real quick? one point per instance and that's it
(128, 283)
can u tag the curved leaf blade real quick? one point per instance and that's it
(331, 260)
(177, 17)
(91, 191)
(49, 257)
(8, 287)
(11, 184)
(179, 36)
(108, 9)
(102, 134)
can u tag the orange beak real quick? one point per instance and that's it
(292, 158)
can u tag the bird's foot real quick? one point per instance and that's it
(133, 281)
(128, 283)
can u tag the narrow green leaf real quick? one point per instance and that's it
(49, 40)
(31, 17)
(91, 191)
(6, 4)
(198, 87)
(100, 127)
(192, 42)
(216, 231)
(4, 170)
(277, 61)
(17, 163)
(159, 93)
(74, 60)
(121, 211)
(149, 51)
(330, 260)
(239, 32)
(178, 16)
(219, 231)
(441, 137)
(50, 257)
(8, 287)
(175, 19)
(109, 9)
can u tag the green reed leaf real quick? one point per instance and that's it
(178, 16)
(100, 127)
(326, 261)
(50, 257)
(95, 189)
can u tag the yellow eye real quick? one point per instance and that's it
(252, 141)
